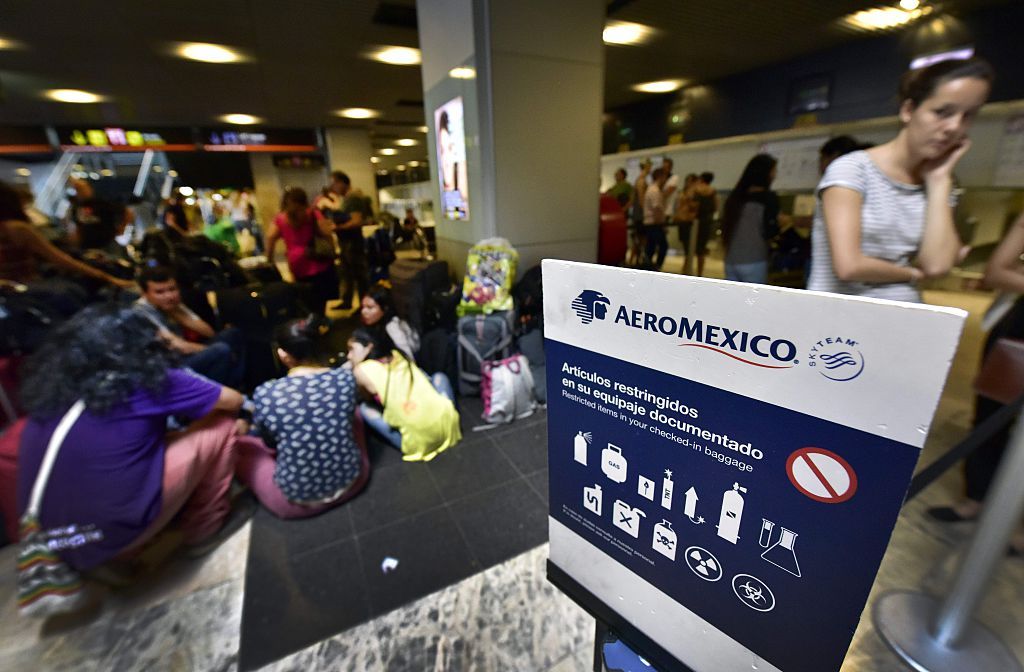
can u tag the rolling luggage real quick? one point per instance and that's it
(412, 282)
(257, 310)
(481, 338)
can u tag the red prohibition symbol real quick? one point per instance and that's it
(822, 475)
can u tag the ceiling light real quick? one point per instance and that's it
(94, 176)
(382, 172)
(661, 86)
(462, 72)
(883, 18)
(208, 53)
(396, 55)
(374, 159)
(358, 113)
(624, 32)
(217, 197)
(73, 96)
(172, 173)
(186, 191)
(107, 172)
(389, 151)
(406, 142)
(423, 129)
(243, 119)
(414, 164)
(24, 172)
(400, 167)
(190, 201)
(910, 5)
(9, 44)
(158, 169)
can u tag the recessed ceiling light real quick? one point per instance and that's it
(358, 113)
(172, 173)
(423, 129)
(73, 96)
(910, 5)
(389, 151)
(883, 18)
(462, 72)
(374, 159)
(94, 176)
(400, 167)
(243, 119)
(662, 86)
(414, 164)
(396, 55)
(9, 44)
(190, 201)
(217, 197)
(625, 33)
(186, 191)
(208, 53)
(107, 172)
(406, 142)
(382, 172)
(24, 172)
(158, 169)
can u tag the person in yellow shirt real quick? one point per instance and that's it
(411, 411)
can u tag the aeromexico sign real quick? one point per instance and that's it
(762, 350)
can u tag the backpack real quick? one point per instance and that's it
(490, 272)
(529, 298)
(380, 254)
(481, 338)
(507, 390)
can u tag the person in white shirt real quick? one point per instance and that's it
(654, 220)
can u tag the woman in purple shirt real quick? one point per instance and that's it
(118, 474)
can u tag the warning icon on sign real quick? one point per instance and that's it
(822, 475)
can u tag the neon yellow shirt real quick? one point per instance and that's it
(426, 419)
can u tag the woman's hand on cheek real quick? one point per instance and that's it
(941, 168)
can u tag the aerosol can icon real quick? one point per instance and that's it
(732, 514)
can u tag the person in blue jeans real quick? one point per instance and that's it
(219, 356)
(751, 221)
(410, 410)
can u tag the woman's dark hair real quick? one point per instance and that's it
(10, 204)
(294, 196)
(102, 355)
(839, 146)
(379, 347)
(442, 122)
(297, 338)
(918, 85)
(381, 295)
(758, 173)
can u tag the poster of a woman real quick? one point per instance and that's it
(451, 159)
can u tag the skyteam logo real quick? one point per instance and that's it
(837, 358)
(591, 305)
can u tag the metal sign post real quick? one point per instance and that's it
(934, 636)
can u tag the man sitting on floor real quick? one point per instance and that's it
(218, 356)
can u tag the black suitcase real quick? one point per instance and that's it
(257, 310)
(412, 282)
(264, 273)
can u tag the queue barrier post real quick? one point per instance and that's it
(942, 636)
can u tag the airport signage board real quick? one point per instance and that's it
(125, 139)
(727, 461)
(235, 139)
(24, 140)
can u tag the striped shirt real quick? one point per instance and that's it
(892, 220)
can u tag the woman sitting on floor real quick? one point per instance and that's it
(315, 456)
(378, 315)
(413, 412)
(119, 478)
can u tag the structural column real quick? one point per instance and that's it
(530, 75)
(349, 150)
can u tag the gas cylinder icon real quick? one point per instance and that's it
(732, 514)
(579, 446)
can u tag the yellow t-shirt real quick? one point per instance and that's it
(426, 419)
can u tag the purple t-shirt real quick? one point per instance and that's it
(108, 475)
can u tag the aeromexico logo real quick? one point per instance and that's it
(759, 350)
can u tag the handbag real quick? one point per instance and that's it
(1001, 377)
(319, 247)
(46, 584)
(507, 390)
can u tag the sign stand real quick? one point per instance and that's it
(933, 636)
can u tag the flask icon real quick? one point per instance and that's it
(782, 553)
(579, 446)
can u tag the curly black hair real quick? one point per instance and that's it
(102, 355)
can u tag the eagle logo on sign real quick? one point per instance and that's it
(591, 305)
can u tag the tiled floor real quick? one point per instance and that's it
(474, 506)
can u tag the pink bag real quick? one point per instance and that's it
(507, 390)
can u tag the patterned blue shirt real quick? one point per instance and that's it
(309, 420)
